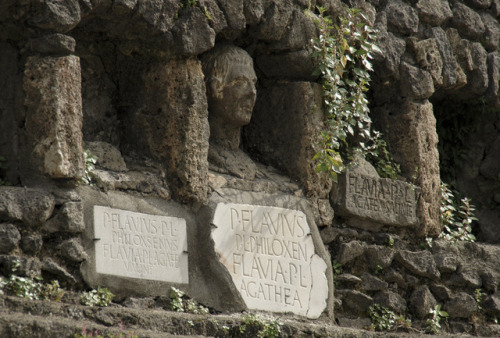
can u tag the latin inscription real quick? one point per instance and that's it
(137, 245)
(385, 200)
(268, 252)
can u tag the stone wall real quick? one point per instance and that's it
(431, 50)
(434, 53)
(411, 280)
(125, 77)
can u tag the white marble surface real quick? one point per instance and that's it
(138, 245)
(269, 253)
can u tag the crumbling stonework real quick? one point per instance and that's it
(54, 116)
(126, 78)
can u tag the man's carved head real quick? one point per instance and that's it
(230, 80)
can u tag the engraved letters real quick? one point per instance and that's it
(268, 251)
(383, 200)
(131, 244)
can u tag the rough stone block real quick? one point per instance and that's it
(174, 125)
(377, 255)
(422, 301)
(415, 82)
(52, 267)
(479, 3)
(429, 58)
(73, 250)
(355, 301)
(401, 17)
(218, 21)
(491, 330)
(59, 16)
(446, 263)
(9, 238)
(296, 108)
(492, 32)
(31, 244)
(53, 44)
(434, 12)
(449, 64)
(392, 49)
(299, 34)
(413, 140)
(492, 305)
(347, 278)
(68, 219)
(235, 17)
(493, 92)
(381, 200)
(467, 21)
(462, 305)
(372, 283)
(477, 78)
(390, 300)
(275, 21)
(467, 278)
(420, 263)
(349, 251)
(393, 276)
(52, 87)
(441, 291)
(254, 10)
(192, 33)
(30, 206)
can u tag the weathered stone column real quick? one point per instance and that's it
(413, 139)
(175, 125)
(52, 88)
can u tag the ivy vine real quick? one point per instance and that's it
(457, 216)
(344, 49)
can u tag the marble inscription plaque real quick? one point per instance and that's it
(270, 255)
(137, 245)
(380, 199)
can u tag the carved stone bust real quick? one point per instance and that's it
(230, 80)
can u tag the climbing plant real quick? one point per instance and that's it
(457, 216)
(344, 49)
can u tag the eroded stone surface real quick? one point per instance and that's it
(52, 87)
(138, 245)
(270, 255)
(31, 206)
(378, 199)
(9, 238)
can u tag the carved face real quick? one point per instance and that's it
(232, 101)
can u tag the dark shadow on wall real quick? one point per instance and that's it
(469, 154)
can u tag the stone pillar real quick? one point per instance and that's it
(52, 89)
(413, 139)
(174, 125)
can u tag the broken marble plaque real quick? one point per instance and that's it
(270, 255)
(138, 245)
